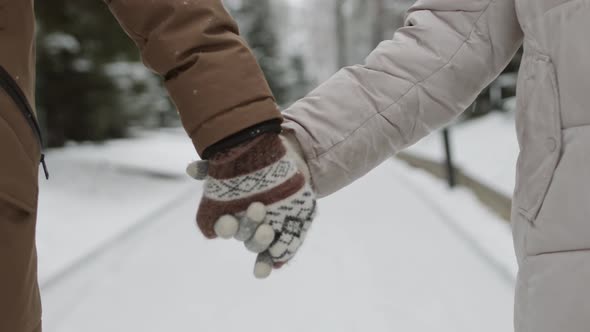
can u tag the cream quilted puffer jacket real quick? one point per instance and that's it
(430, 72)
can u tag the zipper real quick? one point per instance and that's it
(9, 85)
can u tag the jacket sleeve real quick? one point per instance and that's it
(431, 71)
(209, 71)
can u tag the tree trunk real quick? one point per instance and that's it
(379, 24)
(340, 29)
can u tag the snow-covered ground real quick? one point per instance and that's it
(98, 191)
(485, 148)
(396, 251)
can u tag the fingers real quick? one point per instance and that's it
(250, 229)
(250, 222)
(277, 255)
(198, 170)
(289, 241)
(256, 235)
(226, 227)
(263, 266)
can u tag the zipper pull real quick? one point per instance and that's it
(44, 166)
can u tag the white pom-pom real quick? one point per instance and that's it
(264, 235)
(263, 266)
(262, 270)
(261, 240)
(256, 212)
(226, 227)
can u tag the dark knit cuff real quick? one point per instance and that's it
(271, 126)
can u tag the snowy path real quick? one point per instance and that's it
(485, 148)
(382, 256)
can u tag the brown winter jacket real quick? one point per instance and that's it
(20, 307)
(210, 73)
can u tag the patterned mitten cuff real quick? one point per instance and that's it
(253, 186)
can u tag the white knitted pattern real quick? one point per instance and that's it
(291, 218)
(250, 184)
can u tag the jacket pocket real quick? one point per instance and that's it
(539, 133)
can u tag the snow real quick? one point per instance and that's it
(485, 148)
(396, 250)
(97, 191)
(141, 91)
(59, 41)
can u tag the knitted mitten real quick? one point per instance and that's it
(256, 193)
